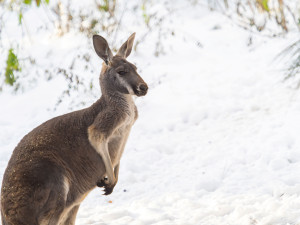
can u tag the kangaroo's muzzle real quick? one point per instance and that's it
(141, 90)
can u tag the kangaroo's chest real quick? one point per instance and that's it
(117, 141)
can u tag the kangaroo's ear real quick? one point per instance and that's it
(102, 49)
(126, 48)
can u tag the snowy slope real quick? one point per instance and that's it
(217, 139)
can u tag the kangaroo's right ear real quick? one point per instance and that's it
(102, 49)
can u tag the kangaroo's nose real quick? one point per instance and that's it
(143, 87)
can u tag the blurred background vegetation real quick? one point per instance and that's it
(272, 18)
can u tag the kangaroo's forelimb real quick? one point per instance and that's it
(100, 143)
(99, 135)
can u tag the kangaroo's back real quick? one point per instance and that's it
(47, 160)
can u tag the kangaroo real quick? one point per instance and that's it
(57, 164)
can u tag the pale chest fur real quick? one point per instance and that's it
(118, 139)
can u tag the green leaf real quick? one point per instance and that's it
(27, 2)
(265, 6)
(93, 23)
(12, 65)
(47, 1)
(105, 6)
(20, 17)
(146, 18)
(145, 15)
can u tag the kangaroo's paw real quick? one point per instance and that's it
(100, 183)
(103, 182)
(108, 189)
(107, 184)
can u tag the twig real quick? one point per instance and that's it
(293, 16)
(119, 24)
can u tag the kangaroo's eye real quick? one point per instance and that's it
(122, 72)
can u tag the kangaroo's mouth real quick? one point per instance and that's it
(140, 93)
(141, 90)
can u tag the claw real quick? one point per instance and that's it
(108, 191)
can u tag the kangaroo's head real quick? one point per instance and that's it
(119, 75)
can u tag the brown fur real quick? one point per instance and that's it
(58, 163)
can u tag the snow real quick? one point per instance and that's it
(217, 139)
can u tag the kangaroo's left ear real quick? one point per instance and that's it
(126, 48)
(102, 49)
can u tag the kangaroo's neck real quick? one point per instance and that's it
(118, 100)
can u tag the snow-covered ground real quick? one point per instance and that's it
(217, 140)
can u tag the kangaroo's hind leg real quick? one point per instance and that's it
(54, 196)
(2, 219)
(71, 216)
